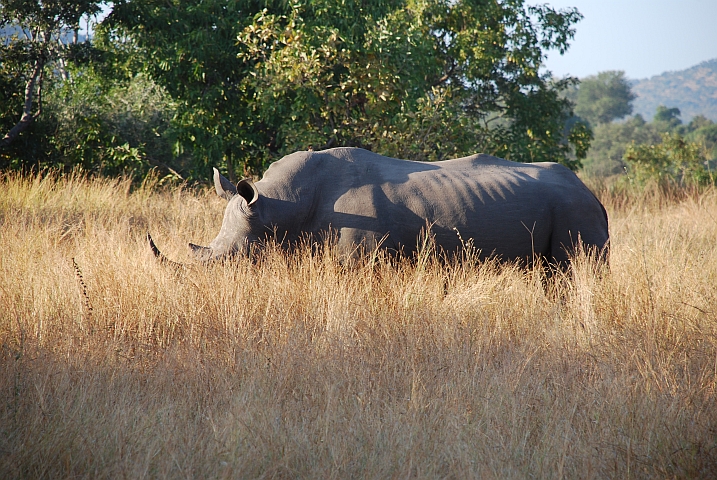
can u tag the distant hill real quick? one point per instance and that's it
(693, 91)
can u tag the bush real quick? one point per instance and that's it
(674, 162)
(120, 128)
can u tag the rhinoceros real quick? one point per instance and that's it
(510, 211)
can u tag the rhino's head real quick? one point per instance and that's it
(241, 226)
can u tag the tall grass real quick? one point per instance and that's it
(114, 366)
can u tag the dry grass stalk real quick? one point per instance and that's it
(83, 289)
(298, 367)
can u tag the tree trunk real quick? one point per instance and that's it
(35, 82)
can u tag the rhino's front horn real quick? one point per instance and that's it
(160, 255)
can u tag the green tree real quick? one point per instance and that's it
(35, 44)
(704, 131)
(667, 119)
(418, 79)
(603, 98)
(698, 122)
(612, 141)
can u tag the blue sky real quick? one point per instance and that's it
(641, 37)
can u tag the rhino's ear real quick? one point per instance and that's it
(223, 186)
(248, 190)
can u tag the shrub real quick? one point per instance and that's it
(673, 162)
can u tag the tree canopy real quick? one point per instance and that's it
(666, 118)
(603, 98)
(239, 83)
(416, 79)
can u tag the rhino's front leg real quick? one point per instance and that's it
(353, 243)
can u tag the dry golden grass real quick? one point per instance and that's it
(296, 367)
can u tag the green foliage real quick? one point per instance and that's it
(704, 132)
(611, 140)
(415, 79)
(603, 98)
(181, 84)
(674, 161)
(103, 125)
(33, 53)
(96, 113)
(11, 106)
(664, 151)
(112, 127)
(189, 48)
(698, 122)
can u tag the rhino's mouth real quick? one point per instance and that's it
(202, 254)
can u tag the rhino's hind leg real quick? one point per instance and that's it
(572, 247)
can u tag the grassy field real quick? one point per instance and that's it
(114, 366)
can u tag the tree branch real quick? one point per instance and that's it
(447, 75)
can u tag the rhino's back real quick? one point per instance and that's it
(344, 168)
(446, 188)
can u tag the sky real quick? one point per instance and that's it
(641, 37)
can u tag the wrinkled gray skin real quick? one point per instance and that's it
(510, 210)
